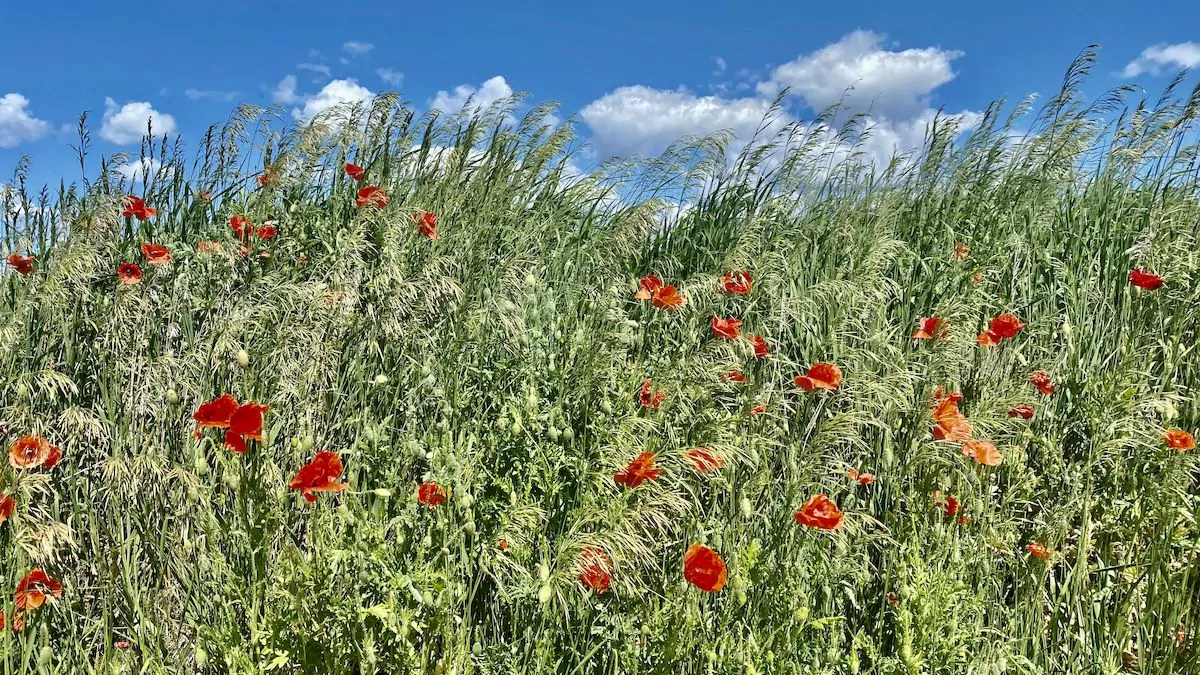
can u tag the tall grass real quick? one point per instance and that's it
(503, 361)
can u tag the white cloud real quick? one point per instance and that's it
(358, 48)
(320, 68)
(127, 124)
(16, 124)
(721, 65)
(138, 170)
(285, 91)
(486, 94)
(391, 77)
(641, 120)
(1159, 57)
(335, 93)
(199, 94)
(891, 84)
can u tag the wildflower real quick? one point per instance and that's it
(1006, 326)
(372, 196)
(892, 599)
(1178, 439)
(704, 568)
(129, 273)
(319, 475)
(820, 512)
(649, 398)
(7, 506)
(761, 349)
(1042, 381)
(705, 460)
(426, 224)
(594, 566)
(216, 413)
(648, 285)
(354, 171)
(241, 226)
(502, 544)
(1022, 410)
(265, 177)
(984, 452)
(659, 295)
(734, 375)
(208, 247)
(949, 423)
(961, 251)
(22, 264)
(122, 645)
(136, 207)
(820, 376)
(156, 254)
(30, 452)
(738, 282)
(1038, 550)
(640, 470)
(206, 197)
(266, 231)
(1145, 279)
(246, 424)
(18, 622)
(988, 339)
(34, 588)
(949, 506)
(977, 278)
(860, 478)
(758, 409)
(431, 494)
(930, 328)
(727, 329)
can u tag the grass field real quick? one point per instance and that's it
(464, 368)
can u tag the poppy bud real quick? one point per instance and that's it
(293, 207)
(530, 280)
(466, 500)
(554, 434)
(469, 528)
(45, 656)
(201, 657)
(22, 390)
(380, 379)
(382, 493)
(747, 508)
(545, 593)
(231, 481)
(568, 434)
(201, 465)
(427, 599)
(172, 396)
(307, 444)
(606, 406)
(243, 359)
(544, 572)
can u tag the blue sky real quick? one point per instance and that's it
(636, 74)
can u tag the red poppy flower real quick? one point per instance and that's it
(594, 569)
(1178, 439)
(7, 506)
(727, 329)
(648, 285)
(949, 423)
(18, 622)
(129, 273)
(122, 645)
(640, 470)
(861, 478)
(155, 254)
(206, 197)
(758, 409)
(761, 349)
(949, 506)
(892, 599)
(216, 413)
(266, 232)
(22, 264)
(29, 452)
(820, 376)
(372, 196)
(820, 512)
(502, 544)
(134, 206)
(1038, 550)
(1042, 381)
(319, 475)
(930, 328)
(737, 283)
(34, 588)
(1005, 326)
(988, 339)
(53, 458)
(705, 460)
(208, 247)
(984, 452)
(649, 398)
(265, 177)
(961, 251)
(977, 278)
(704, 568)
(245, 424)
(1022, 410)
(734, 375)
(426, 224)
(431, 494)
(241, 226)
(1145, 279)
(354, 171)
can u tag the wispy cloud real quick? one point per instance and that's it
(201, 94)
(316, 68)
(390, 76)
(358, 48)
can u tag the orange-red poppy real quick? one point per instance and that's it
(246, 424)
(726, 329)
(1005, 326)
(647, 286)
(156, 254)
(265, 177)
(241, 226)
(820, 376)
(7, 506)
(1042, 381)
(319, 475)
(667, 297)
(738, 282)
(704, 460)
(215, 413)
(129, 273)
(930, 328)
(53, 458)
(961, 251)
(977, 278)
(372, 196)
(34, 588)
(949, 505)
(18, 622)
(136, 207)
(988, 339)
(761, 349)
(640, 470)
(1145, 279)
(1178, 439)
(206, 197)
(266, 232)
(1038, 550)
(862, 478)
(758, 409)
(984, 452)
(30, 452)
(734, 375)
(650, 398)
(208, 247)
(595, 569)
(354, 171)
(820, 512)
(427, 224)
(704, 568)
(121, 644)
(949, 422)
(892, 599)
(23, 264)
(502, 544)
(431, 494)
(1022, 410)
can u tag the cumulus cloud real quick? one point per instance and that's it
(285, 91)
(891, 84)
(201, 94)
(480, 97)
(332, 94)
(138, 170)
(357, 48)
(16, 122)
(127, 124)
(1155, 59)
(391, 77)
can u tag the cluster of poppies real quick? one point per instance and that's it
(26, 454)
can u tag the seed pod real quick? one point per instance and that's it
(382, 493)
(544, 572)
(380, 379)
(747, 508)
(545, 593)
(568, 434)
(172, 396)
(243, 359)
(201, 657)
